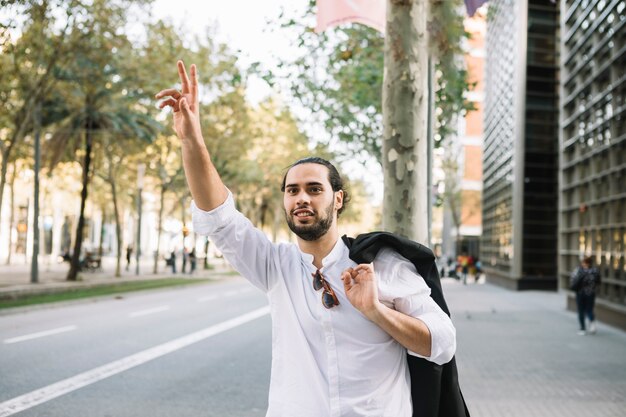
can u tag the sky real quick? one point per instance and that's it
(243, 24)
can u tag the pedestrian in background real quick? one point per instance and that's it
(478, 269)
(583, 281)
(171, 261)
(129, 254)
(192, 261)
(463, 265)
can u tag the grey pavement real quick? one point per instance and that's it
(519, 354)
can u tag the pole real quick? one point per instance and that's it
(429, 155)
(141, 168)
(34, 265)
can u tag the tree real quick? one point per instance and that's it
(339, 78)
(166, 167)
(224, 111)
(115, 158)
(27, 75)
(97, 100)
(276, 143)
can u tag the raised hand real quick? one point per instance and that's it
(361, 288)
(185, 104)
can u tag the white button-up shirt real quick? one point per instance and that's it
(328, 362)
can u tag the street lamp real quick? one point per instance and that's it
(141, 169)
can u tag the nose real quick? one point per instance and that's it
(302, 198)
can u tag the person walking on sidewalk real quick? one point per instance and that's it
(192, 261)
(129, 255)
(171, 261)
(341, 331)
(584, 281)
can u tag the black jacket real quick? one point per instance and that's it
(435, 388)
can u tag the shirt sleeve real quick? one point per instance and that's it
(402, 288)
(245, 247)
(206, 223)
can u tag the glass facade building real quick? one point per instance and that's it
(592, 203)
(520, 160)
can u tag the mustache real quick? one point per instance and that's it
(304, 207)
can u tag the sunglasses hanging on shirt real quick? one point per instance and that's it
(329, 299)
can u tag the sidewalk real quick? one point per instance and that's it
(15, 278)
(519, 355)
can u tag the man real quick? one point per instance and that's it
(584, 281)
(340, 330)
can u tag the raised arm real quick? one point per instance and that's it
(207, 188)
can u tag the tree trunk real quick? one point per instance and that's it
(118, 231)
(101, 238)
(72, 275)
(11, 212)
(155, 270)
(405, 112)
(6, 153)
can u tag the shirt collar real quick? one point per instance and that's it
(335, 254)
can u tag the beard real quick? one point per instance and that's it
(314, 231)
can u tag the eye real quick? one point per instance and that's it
(315, 190)
(291, 191)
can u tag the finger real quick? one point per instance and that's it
(171, 92)
(184, 79)
(169, 102)
(364, 268)
(194, 84)
(184, 107)
(347, 280)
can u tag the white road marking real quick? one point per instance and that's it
(68, 385)
(40, 334)
(149, 311)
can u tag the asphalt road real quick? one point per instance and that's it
(178, 352)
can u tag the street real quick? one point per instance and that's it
(224, 374)
(206, 351)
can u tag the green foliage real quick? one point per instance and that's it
(339, 75)
(446, 36)
(98, 88)
(95, 84)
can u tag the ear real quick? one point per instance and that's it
(339, 199)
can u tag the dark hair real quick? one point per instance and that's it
(588, 260)
(336, 182)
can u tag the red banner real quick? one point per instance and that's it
(335, 12)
